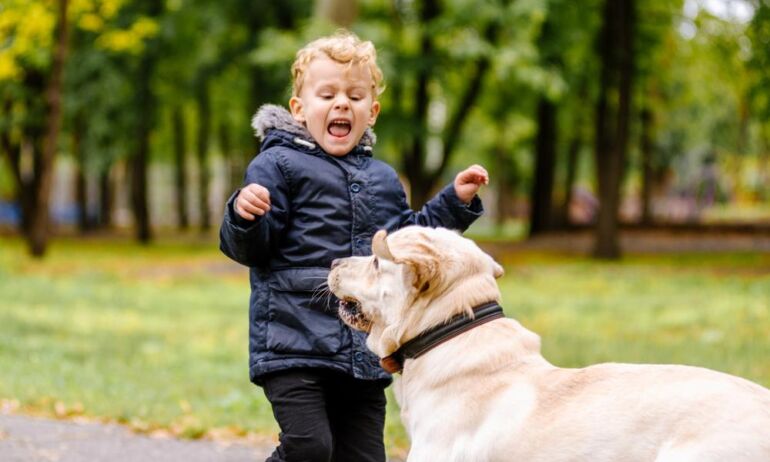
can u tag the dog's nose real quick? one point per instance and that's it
(335, 262)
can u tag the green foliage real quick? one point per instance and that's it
(702, 74)
(759, 35)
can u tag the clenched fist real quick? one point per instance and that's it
(252, 201)
(468, 182)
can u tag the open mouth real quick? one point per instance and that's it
(339, 128)
(350, 312)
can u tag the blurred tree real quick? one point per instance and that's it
(180, 164)
(39, 219)
(613, 111)
(759, 91)
(31, 69)
(98, 92)
(145, 107)
(31, 65)
(566, 57)
(655, 37)
(541, 198)
(437, 57)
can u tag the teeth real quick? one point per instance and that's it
(349, 305)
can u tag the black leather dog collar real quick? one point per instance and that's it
(431, 338)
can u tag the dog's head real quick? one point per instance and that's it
(417, 278)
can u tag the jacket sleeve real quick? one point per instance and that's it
(250, 242)
(445, 209)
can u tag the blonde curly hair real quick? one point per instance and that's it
(343, 47)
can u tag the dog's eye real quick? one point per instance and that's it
(376, 263)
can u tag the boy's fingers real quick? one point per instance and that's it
(477, 178)
(255, 190)
(481, 171)
(255, 205)
(258, 197)
(264, 195)
(243, 214)
(477, 174)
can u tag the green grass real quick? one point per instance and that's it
(156, 337)
(153, 337)
(704, 310)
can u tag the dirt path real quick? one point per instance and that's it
(35, 439)
(32, 439)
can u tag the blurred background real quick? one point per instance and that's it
(134, 115)
(634, 128)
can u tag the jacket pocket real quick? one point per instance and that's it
(300, 317)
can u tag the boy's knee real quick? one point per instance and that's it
(308, 448)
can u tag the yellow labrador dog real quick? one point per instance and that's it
(475, 387)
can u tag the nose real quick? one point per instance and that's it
(341, 103)
(336, 262)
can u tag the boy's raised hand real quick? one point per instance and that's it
(252, 201)
(468, 182)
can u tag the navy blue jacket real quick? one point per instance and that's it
(322, 207)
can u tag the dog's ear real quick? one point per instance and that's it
(425, 270)
(497, 270)
(380, 245)
(422, 259)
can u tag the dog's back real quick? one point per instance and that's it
(534, 411)
(661, 413)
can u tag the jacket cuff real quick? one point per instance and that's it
(236, 220)
(466, 213)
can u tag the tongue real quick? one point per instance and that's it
(339, 129)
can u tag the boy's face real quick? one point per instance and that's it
(336, 103)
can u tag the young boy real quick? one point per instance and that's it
(313, 194)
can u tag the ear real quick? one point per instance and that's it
(374, 112)
(424, 266)
(497, 270)
(380, 245)
(297, 109)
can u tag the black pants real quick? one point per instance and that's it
(327, 416)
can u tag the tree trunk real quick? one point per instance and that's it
(575, 145)
(145, 107)
(505, 179)
(234, 169)
(541, 198)
(573, 154)
(180, 167)
(612, 120)
(204, 129)
(414, 159)
(81, 186)
(39, 219)
(145, 110)
(25, 156)
(646, 148)
(105, 199)
(12, 152)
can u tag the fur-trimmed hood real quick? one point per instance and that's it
(271, 116)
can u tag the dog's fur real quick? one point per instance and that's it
(489, 395)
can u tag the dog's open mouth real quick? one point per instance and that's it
(350, 312)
